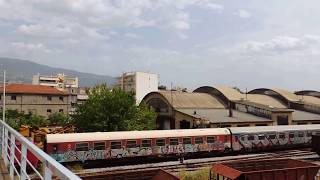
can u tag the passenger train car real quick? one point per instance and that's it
(163, 143)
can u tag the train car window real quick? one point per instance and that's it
(131, 144)
(309, 134)
(291, 135)
(261, 137)
(160, 142)
(272, 136)
(99, 146)
(198, 140)
(146, 143)
(282, 136)
(186, 140)
(301, 134)
(174, 141)
(82, 147)
(115, 144)
(250, 138)
(242, 138)
(210, 139)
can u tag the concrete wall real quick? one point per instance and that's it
(38, 104)
(145, 83)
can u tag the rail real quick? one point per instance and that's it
(25, 160)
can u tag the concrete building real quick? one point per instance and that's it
(38, 99)
(59, 81)
(140, 83)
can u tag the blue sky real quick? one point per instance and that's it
(249, 44)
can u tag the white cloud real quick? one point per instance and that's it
(132, 35)
(280, 44)
(243, 13)
(30, 47)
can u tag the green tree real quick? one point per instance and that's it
(59, 119)
(15, 119)
(112, 110)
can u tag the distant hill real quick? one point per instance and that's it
(22, 71)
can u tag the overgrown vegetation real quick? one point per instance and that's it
(202, 174)
(112, 110)
(15, 119)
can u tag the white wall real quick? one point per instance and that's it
(145, 83)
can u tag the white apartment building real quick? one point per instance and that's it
(140, 83)
(59, 81)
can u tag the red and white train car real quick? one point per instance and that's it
(108, 145)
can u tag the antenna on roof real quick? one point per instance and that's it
(246, 94)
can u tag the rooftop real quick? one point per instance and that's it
(191, 100)
(222, 115)
(31, 89)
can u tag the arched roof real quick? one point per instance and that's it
(287, 95)
(308, 92)
(186, 100)
(230, 94)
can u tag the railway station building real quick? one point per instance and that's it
(227, 107)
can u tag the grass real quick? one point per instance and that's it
(201, 174)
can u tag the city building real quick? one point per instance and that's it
(140, 83)
(37, 99)
(59, 81)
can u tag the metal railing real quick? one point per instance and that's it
(20, 155)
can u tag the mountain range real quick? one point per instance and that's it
(18, 70)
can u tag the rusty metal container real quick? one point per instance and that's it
(275, 169)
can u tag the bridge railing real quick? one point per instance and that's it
(25, 160)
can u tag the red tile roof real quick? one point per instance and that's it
(31, 89)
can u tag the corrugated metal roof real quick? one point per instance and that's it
(234, 95)
(191, 100)
(119, 135)
(265, 100)
(230, 93)
(310, 100)
(260, 129)
(304, 116)
(286, 94)
(222, 115)
(31, 89)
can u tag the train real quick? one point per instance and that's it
(84, 147)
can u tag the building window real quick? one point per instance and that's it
(49, 98)
(14, 98)
(61, 98)
(61, 110)
(49, 111)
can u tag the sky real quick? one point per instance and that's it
(189, 43)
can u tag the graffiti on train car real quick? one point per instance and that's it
(72, 155)
(256, 141)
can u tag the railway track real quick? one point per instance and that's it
(195, 164)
